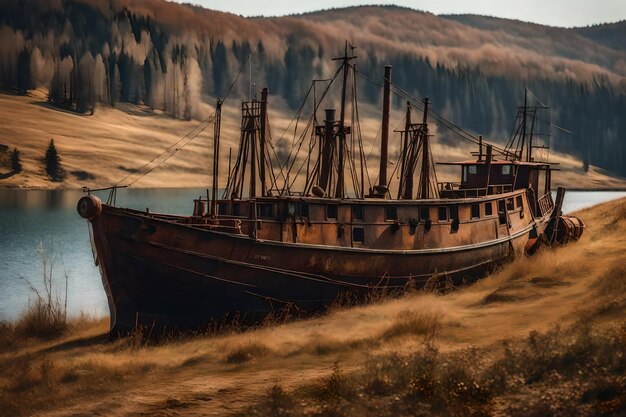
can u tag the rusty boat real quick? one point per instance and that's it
(302, 232)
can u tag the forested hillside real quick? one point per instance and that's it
(178, 58)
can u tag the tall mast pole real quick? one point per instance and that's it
(384, 142)
(262, 141)
(425, 174)
(406, 178)
(339, 191)
(216, 155)
(521, 151)
(251, 132)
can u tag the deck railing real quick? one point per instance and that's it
(546, 204)
(454, 190)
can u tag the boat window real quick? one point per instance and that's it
(424, 213)
(357, 212)
(509, 204)
(303, 209)
(518, 201)
(502, 211)
(489, 208)
(391, 213)
(454, 212)
(443, 214)
(266, 210)
(331, 211)
(475, 211)
(358, 234)
(506, 169)
(236, 209)
(472, 169)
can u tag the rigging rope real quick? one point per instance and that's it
(190, 136)
(438, 117)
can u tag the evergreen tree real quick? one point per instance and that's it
(53, 163)
(24, 76)
(16, 164)
(147, 80)
(220, 70)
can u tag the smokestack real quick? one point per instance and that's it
(327, 149)
(384, 143)
(488, 160)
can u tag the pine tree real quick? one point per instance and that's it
(24, 76)
(53, 163)
(16, 164)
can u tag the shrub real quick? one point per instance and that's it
(16, 164)
(247, 352)
(46, 316)
(53, 163)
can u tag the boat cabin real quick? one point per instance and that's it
(486, 177)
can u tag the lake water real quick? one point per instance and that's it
(28, 217)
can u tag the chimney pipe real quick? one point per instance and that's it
(384, 143)
(488, 160)
(327, 149)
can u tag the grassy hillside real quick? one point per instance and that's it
(541, 336)
(101, 149)
(173, 60)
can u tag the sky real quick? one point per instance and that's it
(564, 13)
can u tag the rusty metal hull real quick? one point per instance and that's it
(163, 274)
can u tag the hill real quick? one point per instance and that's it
(101, 149)
(175, 59)
(541, 336)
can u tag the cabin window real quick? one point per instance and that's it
(331, 211)
(443, 214)
(266, 210)
(454, 212)
(475, 211)
(357, 212)
(424, 213)
(236, 209)
(506, 169)
(303, 209)
(489, 209)
(509, 204)
(502, 211)
(472, 169)
(518, 202)
(391, 213)
(222, 209)
(358, 235)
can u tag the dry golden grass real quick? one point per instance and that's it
(555, 338)
(103, 148)
(409, 322)
(247, 351)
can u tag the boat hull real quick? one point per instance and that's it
(167, 275)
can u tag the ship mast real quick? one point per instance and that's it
(381, 190)
(262, 141)
(252, 150)
(216, 155)
(340, 189)
(424, 189)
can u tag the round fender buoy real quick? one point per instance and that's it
(89, 207)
